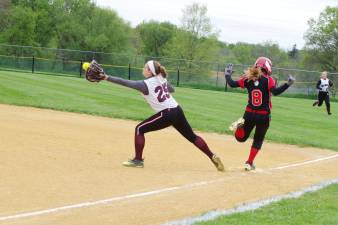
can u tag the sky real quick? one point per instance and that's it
(253, 21)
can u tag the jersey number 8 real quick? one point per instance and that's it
(256, 97)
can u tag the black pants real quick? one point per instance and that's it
(166, 118)
(261, 122)
(324, 96)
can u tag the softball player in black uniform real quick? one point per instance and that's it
(156, 90)
(323, 86)
(260, 86)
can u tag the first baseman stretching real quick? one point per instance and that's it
(156, 91)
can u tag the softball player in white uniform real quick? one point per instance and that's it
(157, 92)
(323, 86)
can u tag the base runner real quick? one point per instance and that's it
(260, 86)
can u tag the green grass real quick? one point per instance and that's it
(317, 208)
(294, 120)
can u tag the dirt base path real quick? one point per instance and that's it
(56, 167)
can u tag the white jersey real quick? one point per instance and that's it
(159, 97)
(324, 85)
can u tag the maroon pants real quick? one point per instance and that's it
(169, 117)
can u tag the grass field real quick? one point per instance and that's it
(294, 120)
(318, 208)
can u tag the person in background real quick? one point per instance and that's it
(323, 85)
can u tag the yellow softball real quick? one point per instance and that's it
(85, 66)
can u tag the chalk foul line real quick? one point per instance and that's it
(251, 206)
(143, 194)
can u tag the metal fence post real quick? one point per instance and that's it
(217, 74)
(129, 71)
(33, 64)
(81, 63)
(178, 77)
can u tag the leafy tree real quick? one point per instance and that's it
(4, 4)
(196, 21)
(195, 40)
(107, 32)
(294, 52)
(18, 26)
(322, 40)
(154, 36)
(73, 24)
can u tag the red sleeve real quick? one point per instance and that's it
(271, 83)
(241, 82)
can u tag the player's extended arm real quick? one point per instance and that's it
(279, 90)
(318, 85)
(134, 84)
(227, 73)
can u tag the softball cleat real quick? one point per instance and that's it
(238, 123)
(249, 166)
(134, 163)
(217, 162)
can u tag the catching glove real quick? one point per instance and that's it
(95, 72)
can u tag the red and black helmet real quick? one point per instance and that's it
(265, 64)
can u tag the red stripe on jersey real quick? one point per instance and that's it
(271, 83)
(241, 82)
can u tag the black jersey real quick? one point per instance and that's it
(259, 92)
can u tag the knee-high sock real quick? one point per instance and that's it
(200, 143)
(139, 145)
(252, 155)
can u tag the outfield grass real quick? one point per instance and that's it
(317, 208)
(294, 120)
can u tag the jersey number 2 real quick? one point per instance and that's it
(256, 97)
(162, 92)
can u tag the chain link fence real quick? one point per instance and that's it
(195, 74)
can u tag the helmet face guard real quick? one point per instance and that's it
(265, 64)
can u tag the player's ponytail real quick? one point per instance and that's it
(161, 70)
(253, 73)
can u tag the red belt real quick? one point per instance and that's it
(261, 112)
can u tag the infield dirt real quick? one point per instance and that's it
(52, 159)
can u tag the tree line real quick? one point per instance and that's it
(82, 25)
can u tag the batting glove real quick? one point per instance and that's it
(291, 80)
(228, 70)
